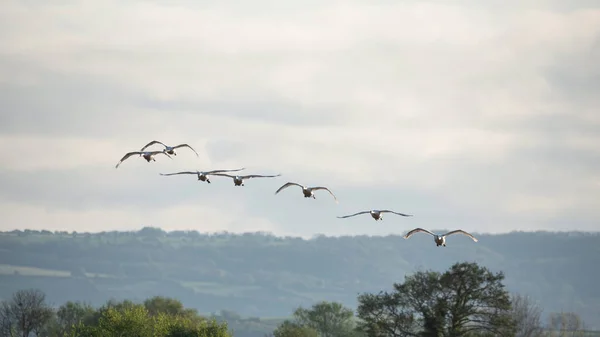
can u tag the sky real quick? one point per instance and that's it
(466, 114)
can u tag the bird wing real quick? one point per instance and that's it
(326, 189)
(219, 171)
(127, 156)
(347, 216)
(462, 232)
(152, 143)
(186, 145)
(223, 175)
(172, 174)
(259, 176)
(417, 230)
(388, 211)
(286, 185)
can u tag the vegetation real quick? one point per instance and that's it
(467, 300)
(255, 275)
(27, 313)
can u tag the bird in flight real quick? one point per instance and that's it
(376, 214)
(239, 180)
(169, 149)
(440, 240)
(309, 192)
(149, 156)
(202, 175)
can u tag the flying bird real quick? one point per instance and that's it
(309, 192)
(440, 240)
(202, 175)
(146, 154)
(239, 180)
(169, 149)
(376, 214)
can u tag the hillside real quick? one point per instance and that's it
(257, 274)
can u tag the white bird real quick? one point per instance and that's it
(440, 240)
(147, 155)
(376, 214)
(309, 192)
(202, 175)
(169, 149)
(239, 180)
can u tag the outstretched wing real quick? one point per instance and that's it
(152, 143)
(183, 172)
(127, 156)
(417, 230)
(186, 145)
(219, 171)
(286, 185)
(388, 211)
(347, 216)
(326, 189)
(223, 175)
(462, 232)
(259, 176)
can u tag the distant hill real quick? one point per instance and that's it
(257, 274)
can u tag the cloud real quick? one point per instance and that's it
(482, 115)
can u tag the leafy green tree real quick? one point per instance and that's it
(70, 314)
(465, 299)
(329, 319)
(169, 306)
(291, 329)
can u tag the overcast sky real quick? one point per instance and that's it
(482, 115)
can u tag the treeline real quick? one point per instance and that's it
(28, 314)
(466, 300)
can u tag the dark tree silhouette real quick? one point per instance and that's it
(465, 299)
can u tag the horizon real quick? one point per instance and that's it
(306, 238)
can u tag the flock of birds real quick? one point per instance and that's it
(307, 191)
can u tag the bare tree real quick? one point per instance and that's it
(527, 316)
(7, 321)
(26, 312)
(567, 323)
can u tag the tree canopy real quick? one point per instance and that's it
(465, 299)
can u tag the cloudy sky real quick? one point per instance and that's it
(478, 114)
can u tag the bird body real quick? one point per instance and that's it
(238, 180)
(375, 214)
(149, 156)
(202, 176)
(440, 240)
(309, 192)
(169, 149)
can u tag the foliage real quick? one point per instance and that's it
(27, 313)
(291, 329)
(329, 319)
(465, 299)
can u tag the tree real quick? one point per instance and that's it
(71, 314)
(24, 313)
(566, 323)
(330, 319)
(526, 316)
(169, 306)
(291, 329)
(465, 299)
